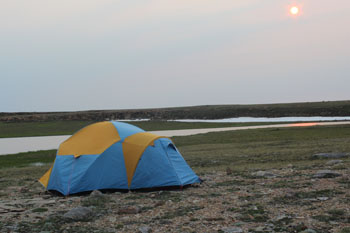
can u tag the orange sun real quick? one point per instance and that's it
(294, 10)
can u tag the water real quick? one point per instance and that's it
(24, 144)
(267, 119)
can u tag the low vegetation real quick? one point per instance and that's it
(50, 128)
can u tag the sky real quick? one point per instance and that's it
(108, 54)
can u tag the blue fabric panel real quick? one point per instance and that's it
(183, 171)
(125, 130)
(67, 171)
(59, 175)
(154, 169)
(79, 168)
(107, 172)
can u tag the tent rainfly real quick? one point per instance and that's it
(116, 155)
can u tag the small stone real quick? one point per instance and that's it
(24, 190)
(145, 229)
(96, 193)
(187, 229)
(78, 213)
(129, 210)
(238, 223)
(333, 162)
(169, 202)
(282, 217)
(37, 164)
(259, 229)
(326, 174)
(308, 231)
(330, 155)
(323, 198)
(159, 203)
(232, 230)
(112, 219)
(264, 174)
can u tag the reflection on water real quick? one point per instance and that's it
(267, 119)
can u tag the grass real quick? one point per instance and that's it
(27, 158)
(50, 128)
(99, 202)
(27, 129)
(262, 148)
(39, 210)
(253, 213)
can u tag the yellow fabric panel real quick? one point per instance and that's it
(133, 148)
(44, 180)
(93, 139)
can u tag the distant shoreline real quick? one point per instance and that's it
(308, 109)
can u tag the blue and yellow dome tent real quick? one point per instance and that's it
(116, 155)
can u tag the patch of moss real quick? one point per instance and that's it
(181, 211)
(39, 210)
(253, 213)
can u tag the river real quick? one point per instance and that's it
(25, 144)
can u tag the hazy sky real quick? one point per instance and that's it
(104, 54)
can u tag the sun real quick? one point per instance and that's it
(294, 10)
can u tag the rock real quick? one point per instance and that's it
(326, 174)
(232, 230)
(145, 229)
(112, 219)
(129, 210)
(37, 164)
(333, 162)
(159, 203)
(330, 155)
(264, 174)
(186, 229)
(259, 229)
(96, 193)
(282, 217)
(78, 213)
(3, 211)
(308, 231)
(228, 171)
(323, 198)
(24, 190)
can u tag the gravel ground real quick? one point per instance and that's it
(285, 200)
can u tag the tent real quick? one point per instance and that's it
(116, 155)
